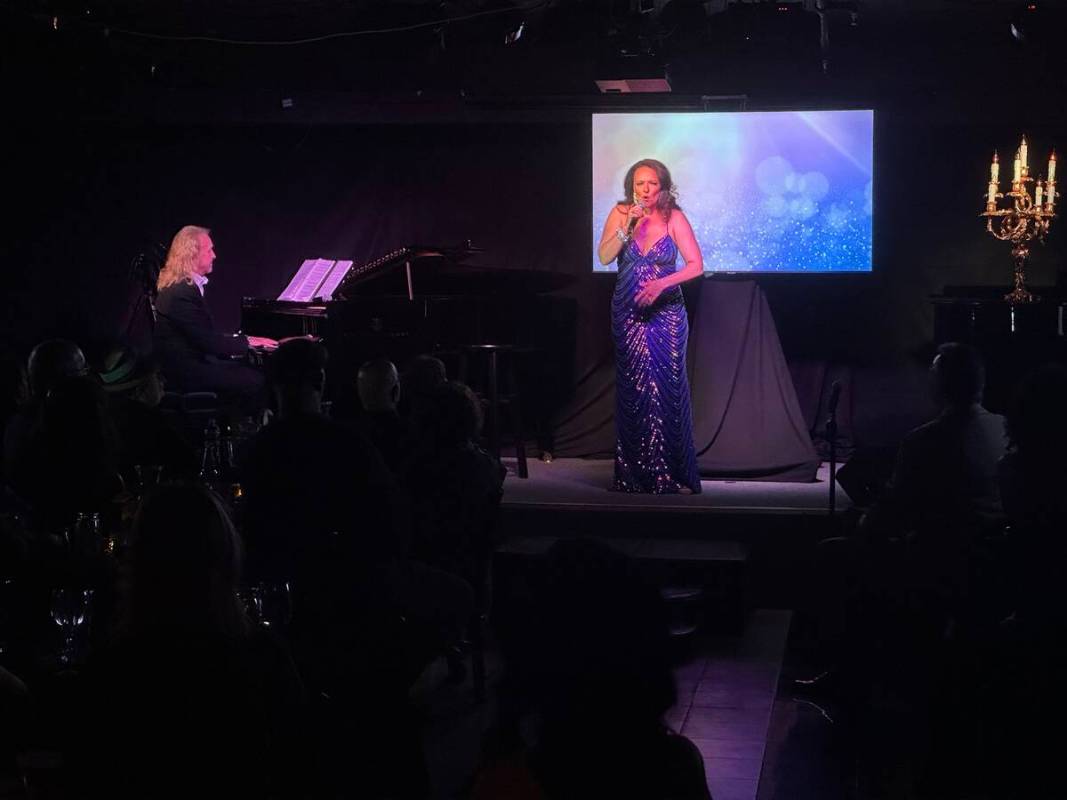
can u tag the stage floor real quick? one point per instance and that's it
(583, 484)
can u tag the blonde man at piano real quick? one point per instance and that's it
(193, 354)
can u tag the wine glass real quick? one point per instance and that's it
(87, 539)
(252, 600)
(276, 607)
(268, 604)
(70, 611)
(148, 476)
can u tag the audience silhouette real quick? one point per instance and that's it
(135, 389)
(49, 363)
(592, 654)
(315, 489)
(947, 596)
(905, 576)
(946, 470)
(323, 511)
(191, 698)
(420, 378)
(1022, 682)
(379, 393)
(72, 464)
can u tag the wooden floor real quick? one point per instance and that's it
(726, 693)
(728, 685)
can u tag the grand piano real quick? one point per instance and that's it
(429, 299)
(1013, 339)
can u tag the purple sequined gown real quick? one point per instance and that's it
(653, 423)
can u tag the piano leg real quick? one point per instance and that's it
(516, 421)
(494, 406)
(489, 391)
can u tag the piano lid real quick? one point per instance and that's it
(460, 279)
(431, 271)
(401, 261)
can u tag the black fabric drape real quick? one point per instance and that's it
(585, 427)
(747, 422)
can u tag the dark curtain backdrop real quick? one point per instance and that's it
(85, 198)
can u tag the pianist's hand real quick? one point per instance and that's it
(262, 343)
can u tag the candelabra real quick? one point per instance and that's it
(1028, 218)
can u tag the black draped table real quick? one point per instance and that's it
(747, 423)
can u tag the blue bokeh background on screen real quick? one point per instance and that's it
(785, 191)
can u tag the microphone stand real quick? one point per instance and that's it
(831, 434)
(143, 273)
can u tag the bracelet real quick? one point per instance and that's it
(620, 234)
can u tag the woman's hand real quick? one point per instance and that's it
(648, 293)
(616, 232)
(634, 216)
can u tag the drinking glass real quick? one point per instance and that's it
(71, 611)
(276, 608)
(148, 476)
(252, 601)
(268, 604)
(87, 539)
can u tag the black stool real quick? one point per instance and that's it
(191, 411)
(491, 393)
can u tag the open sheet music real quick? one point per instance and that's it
(316, 279)
(337, 274)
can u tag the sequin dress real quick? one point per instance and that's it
(653, 423)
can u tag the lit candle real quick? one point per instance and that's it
(1051, 196)
(992, 199)
(1022, 154)
(1018, 169)
(1037, 195)
(1052, 167)
(994, 169)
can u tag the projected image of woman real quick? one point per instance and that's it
(654, 430)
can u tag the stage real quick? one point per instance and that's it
(767, 530)
(582, 484)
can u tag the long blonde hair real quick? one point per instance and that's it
(182, 257)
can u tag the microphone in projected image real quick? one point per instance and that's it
(633, 220)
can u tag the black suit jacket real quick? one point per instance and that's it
(946, 474)
(185, 331)
(185, 328)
